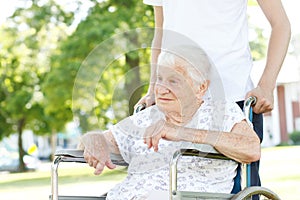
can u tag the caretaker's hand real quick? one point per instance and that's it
(265, 99)
(96, 151)
(148, 100)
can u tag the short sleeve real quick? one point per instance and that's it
(153, 2)
(233, 115)
(129, 132)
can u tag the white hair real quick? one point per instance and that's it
(193, 59)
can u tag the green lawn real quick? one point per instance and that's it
(74, 178)
(279, 172)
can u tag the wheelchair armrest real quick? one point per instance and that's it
(203, 154)
(70, 155)
(75, 155)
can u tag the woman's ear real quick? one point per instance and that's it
(203, 87)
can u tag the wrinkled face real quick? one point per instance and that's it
(174, 89)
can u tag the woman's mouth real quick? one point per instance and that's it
(162, 99)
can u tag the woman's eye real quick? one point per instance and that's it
(173, 82)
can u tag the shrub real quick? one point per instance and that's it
(295, 137)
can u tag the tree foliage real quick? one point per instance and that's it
(104, 20)
(24, 62)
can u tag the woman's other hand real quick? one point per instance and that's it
(96, 151)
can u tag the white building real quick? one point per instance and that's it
(285, 117)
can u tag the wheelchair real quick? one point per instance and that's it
(69, 155)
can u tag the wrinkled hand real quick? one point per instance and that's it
(265, 99)
(96, 151)
(161, 130)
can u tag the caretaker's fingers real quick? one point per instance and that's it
(150, 100)
(265, 99)
(262, 106)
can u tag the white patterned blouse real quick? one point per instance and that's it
(148, 171)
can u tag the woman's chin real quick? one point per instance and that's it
(166, 108)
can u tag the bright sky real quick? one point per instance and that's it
(7, 9)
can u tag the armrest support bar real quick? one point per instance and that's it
(73, 155)
(188, 152)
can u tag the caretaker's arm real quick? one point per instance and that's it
(277, 48)
(148, 99)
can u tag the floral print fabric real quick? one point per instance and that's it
(148, 171)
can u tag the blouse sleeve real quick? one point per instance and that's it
(233, 115)
(129, 132)
(153, 2)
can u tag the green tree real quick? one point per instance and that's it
(104, 21)
(20, 107)
(258, 45)
(258, 42)
(26, 43)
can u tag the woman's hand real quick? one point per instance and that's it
(96, 151)
(97, 164)
(161, 130)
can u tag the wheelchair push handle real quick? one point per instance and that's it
(140, 107)
(250, 101)
(248, 104)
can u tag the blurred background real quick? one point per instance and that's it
(55, 81)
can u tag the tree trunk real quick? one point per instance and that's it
(53, 143)
(21, 124)
(133, 82)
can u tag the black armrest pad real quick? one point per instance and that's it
(76, 155)
(195, 152)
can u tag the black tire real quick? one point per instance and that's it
(253, 190)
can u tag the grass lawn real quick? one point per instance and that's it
(74, 179)
(279, 172)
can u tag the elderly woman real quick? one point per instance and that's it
(183, 117)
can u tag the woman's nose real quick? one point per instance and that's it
(162, 89)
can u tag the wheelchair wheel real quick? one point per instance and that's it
(248, 192)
